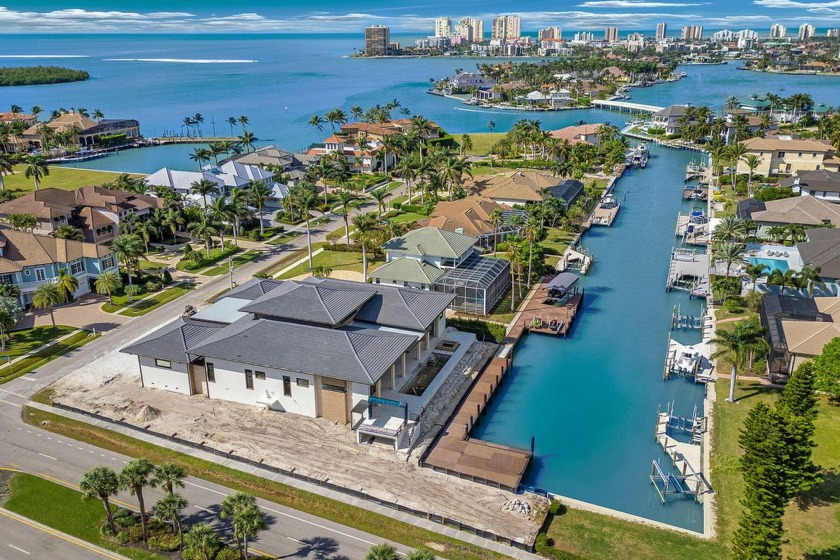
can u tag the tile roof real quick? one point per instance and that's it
(22, 249)
(407, 269)
(805, 210)
(471, 215)
(830, 306)
(431, 241)
(49, 203)
(776, 144)
(818, 180)
(517, 185)
(674, 111)
(822, 250)
(808, 338)
(574, 133)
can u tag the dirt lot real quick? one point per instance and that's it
(315, 447)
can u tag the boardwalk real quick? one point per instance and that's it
(541, 316)
(455, 452)
(625, 106)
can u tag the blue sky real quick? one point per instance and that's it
(284, 16)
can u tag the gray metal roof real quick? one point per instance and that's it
(391, 306)
(432, 241)
(173, 341)
(407, 269)
(252, 289)
(822, 250)
(361, 356)
(225, 310)
(308, 303)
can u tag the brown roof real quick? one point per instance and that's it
(776, 144)
(808, 338)
(64, 122)
(28, 249)
(573, 133)
(516, 185)
(9, 117)
(50, 203)
(830, 306)
(470, 215)
(805, 210)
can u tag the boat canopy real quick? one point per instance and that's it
(561, 283)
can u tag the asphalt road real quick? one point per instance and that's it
(291, 534)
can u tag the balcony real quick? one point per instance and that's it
(32, 286)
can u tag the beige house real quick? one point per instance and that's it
(787, 156)
(86, 131)
(803, 210)
(516, 187)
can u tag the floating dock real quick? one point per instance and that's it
(454, 452)
(696, 170)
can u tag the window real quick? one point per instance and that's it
(372, 391)
(249, 379)
(40, 275)
(333, 388)
(107, 262)
(800, 154)
(303, 383)
(287, 386)
(781, 154)
(5, 278)
(259, 374)
(163, 363)
(77, 266)
(211, 372)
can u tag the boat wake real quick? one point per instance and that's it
(44, 56)
(183, 60)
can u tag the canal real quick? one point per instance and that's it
(590, 401)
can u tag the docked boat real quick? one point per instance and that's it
(687, 361)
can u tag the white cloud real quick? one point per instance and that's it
(634, 4)
(795, 4)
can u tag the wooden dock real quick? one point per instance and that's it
(456, 453)
(542, 315)
(604, 216)
(163, 140)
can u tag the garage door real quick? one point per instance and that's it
(334, 400)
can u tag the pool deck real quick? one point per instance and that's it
(455, 452)
(537, 308)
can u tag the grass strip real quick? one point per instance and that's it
(237, 261)
(63, 509)
(153, 302)
(46, 355)
(24, 341)
(301, 500)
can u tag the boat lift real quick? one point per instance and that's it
(686, 480)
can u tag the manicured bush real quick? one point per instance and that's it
(164, 540)
(733, 305)
(482, 329)
(153, 285)
(124, 518)
(167, 276)
(656, 130)
(556, 507)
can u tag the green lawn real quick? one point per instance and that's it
(812, 531)
(154, 301)
(48, 354)
(25, 340)
(65, 178)
(216, 255)
(245, 257)
(151, 265)
(334, 260)
(382, 525)
(63, 509)
(339, 233)
(407, 217)
(481, 142)
(284, 238)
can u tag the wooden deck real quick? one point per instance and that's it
(455, 452)
(538, 308)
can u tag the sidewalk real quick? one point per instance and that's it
(322, 491)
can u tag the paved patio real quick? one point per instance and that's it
(84, 313)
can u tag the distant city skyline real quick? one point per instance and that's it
(332, 16)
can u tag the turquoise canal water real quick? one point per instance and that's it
(590, 401)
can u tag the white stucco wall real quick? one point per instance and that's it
(230, 385)
(174, 379)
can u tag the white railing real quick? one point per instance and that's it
(32, 286)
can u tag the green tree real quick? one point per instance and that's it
(146, 229)
(420, 555)
(134, 477)
(736, 344)
(35, 168)
(259, 195)
(168, 510)
(204, 229)
(730, 253)
(366, 226)
(169, 476)
(202, 541)
(344, 200)
(304, 199)
(382, 551)
(246, 518)
(203, 188)
(107, 283)
(46, 296)
(754, 272)
(380, 195)
(102, 483)
(810, 277)
(827, 369)
(466, 144)
(798, 405)
(22, 222)
(6, 166)
(67, 285)
(10, 314)
(69, 232)
(127, 247)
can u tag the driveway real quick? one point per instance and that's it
(84, 313)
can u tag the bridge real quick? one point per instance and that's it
(625, 106)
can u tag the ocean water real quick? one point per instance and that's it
(590, 401)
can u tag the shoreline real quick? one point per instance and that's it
(792, 72)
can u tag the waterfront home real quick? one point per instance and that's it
(822, 184)
(513, 188)
(274, 158)
(568, 191)
(28, 260)
(225, 176)
(755, 103)
(822, 250)
(86, 132)
(473, 216)
(443, 261)
(797, 329)
(182, 181)
(802, 210)
(582, 133)
(13, 143)
(466, 81)
(96, 211)
(317, 347)
(788, 156)
(669, 118)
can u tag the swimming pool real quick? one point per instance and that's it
(772, 264)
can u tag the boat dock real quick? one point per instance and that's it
(689, 271)
(625, 106)
(697, 171)
(548, 312)
(684, 455)
(163, 140)
(684, 360)
(695, 192)
(454, 452)
(575, 259)
(605, 213)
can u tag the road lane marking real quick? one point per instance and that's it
(20, 550)
(54, 533)
(293, 539)
(203, 508)
(319, 526)
(11, 403)
(47, 456)
(205, 488)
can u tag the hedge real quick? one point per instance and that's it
(483, 329)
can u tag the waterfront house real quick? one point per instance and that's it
(465, 81)
(787, 156)
(568, 191)
(318, 347)
(86, 132)
(822, 250)
(582, 133)
(226, 176)
(513, 188)
(755, 103)
(28, 260)
(797, 329)
(473, 216)
(803, 210)
(443, 261)
(669, 118)
(182, 181)
(96, 211)
(822, 184)
(14, 143)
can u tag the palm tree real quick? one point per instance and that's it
(204, 187)
(245, 516)
(731, 253)
(46, 296)
(735, 344)
(452, 171)
(810, 276)
(219, 213)
(6, 167)
(365, 225)
(169, 476)
(491, 126)
(168, 510)
(305, 200)
(201, 541)
(318, 123)
(238, 207)
(786, 279)
(497, 219)
(382, 551)
(67, 285)
(97, 115)
(200, 155)
(102, 483)
(796, 232)
(466, 144)
(127, 247)
(730, 228)
(145, 229)
(173, 220)
(247, 139)
(533, 229)
(752, 162)
(231, 123)
(259, 195)
(754, 272)
(107, 283)
(243, 120)
(136, 475)
(344, 200)
(736, 152)
(69, 232)
(420, 555)
(35, 168)
(380, 195)
(776, 233)
(203, 229)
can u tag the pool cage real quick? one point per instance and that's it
(479, 283)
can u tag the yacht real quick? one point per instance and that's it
(687, 360)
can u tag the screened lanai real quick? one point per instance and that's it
(479, 283)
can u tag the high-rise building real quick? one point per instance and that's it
(471, 29)
(377, 40)
(661, 30)
(806, 31)
(506, 27)
(550, 33)
(833, 33)
(611, 34)
(778, 31)
(691, 33)
(443, 27)
(584, 37)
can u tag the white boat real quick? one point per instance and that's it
(643, 148)
(687, 360)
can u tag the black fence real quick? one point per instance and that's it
(453, 523)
